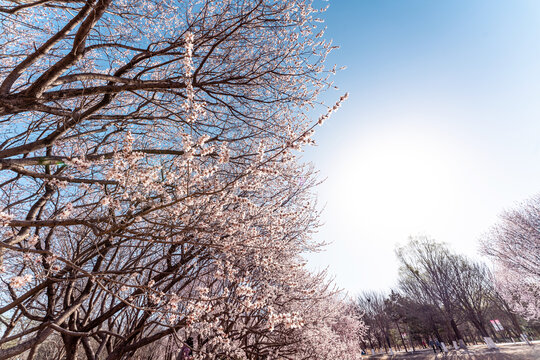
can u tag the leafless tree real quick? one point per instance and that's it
(426, 273)
(378, 321)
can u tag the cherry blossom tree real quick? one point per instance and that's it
(514, 246)
(150, 189)
(333, 329)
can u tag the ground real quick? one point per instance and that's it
(519, 351)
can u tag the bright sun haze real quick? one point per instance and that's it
(439, 135)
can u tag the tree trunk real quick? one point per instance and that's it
(401, 336)
(515, 322)
(479, 326)
(388, 341)
(70, 345)
(456, 330)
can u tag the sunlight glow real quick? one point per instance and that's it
(400, 181)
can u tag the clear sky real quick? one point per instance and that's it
(441, 131)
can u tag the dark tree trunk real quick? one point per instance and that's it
(456, 330)
(70, 345)
(515, 322)
(388, 340)
(87, 349)
(481, 329)
(370, 342)
(401, 336)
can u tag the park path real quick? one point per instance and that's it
(508, 351)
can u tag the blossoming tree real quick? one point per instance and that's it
(514, 246)
(149, 183)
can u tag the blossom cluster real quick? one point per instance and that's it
(18, 282)
(5, 218)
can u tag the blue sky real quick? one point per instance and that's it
(441, 131)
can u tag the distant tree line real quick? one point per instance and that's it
(441, 297)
